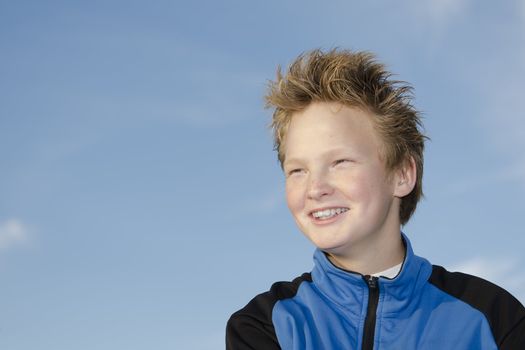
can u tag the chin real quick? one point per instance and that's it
(332, 246)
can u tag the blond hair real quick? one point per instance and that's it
(354, 79)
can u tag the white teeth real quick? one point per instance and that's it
(328, 213)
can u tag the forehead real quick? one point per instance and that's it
(325, 127)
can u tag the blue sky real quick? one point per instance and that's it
(140, 200)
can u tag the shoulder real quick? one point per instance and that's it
(504, 313)
(253, 323)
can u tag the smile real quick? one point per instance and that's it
(328, 213)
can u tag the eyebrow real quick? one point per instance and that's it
(332, 151)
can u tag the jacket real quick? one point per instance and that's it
(423, 307)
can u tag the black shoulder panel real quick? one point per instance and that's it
(252, 327)
(504, 313)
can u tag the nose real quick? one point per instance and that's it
(319, 187)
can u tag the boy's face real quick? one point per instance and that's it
(337, 187)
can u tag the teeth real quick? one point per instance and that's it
(328, 213)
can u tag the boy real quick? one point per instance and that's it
(349, 142)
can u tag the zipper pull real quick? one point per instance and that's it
(371, 281)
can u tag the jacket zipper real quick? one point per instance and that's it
(370, 320)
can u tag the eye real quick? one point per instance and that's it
(341, 161)
(295, 171)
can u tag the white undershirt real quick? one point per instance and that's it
(390, 272)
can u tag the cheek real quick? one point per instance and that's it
(372, 190)
(357, 187)
(294, 197)
(352, 185)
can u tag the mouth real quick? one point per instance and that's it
(326, 214)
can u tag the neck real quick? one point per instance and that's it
(379, 256)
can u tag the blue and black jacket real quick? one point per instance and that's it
(423, 307)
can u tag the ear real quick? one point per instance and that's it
(405, 178)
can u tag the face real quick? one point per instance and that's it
(337, 187)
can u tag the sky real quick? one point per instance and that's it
(141, 201)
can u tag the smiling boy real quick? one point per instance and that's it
(350, 145)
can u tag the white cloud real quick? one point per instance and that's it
(503, 120)
(506, 272)
(439, 12)
(12, 232)
(212, 340)
(435, 20)
(271, 201)
(521, 5)
(208, 340)
(442, 10)
(514, 173)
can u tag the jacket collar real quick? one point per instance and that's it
(350, 291)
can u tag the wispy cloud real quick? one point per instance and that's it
(271, 201)
(506, 272)
(513, 173)
(212, 340)
(12, 232)
(260, 204)
(435, 19)
(521, 9)
(437, 14)
(209, 340)
(503, 118)
(441, 11)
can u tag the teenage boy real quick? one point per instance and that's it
(349, 142)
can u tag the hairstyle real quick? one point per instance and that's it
(354, 79)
